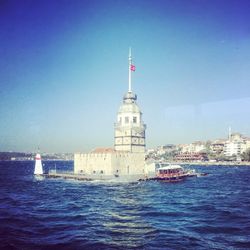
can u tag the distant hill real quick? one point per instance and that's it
(7, 156)
(19, 156)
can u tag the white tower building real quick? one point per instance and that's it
(126, 161)
(38, 165)
(129, 128)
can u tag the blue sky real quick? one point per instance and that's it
(63, 70)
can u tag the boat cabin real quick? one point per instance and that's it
(170, 171)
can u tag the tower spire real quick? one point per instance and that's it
(229, 133)
(129, 70)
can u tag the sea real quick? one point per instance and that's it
(208, 212)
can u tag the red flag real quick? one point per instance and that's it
(132, 67)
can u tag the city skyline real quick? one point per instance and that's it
(64, 71)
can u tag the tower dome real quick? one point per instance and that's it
(129, 103)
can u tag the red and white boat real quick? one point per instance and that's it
(171, 173)
(164, 171)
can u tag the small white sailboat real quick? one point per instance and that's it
(38, 165)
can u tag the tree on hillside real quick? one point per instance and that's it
(221, 157)
(246, 155)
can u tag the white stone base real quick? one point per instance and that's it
(118, 165)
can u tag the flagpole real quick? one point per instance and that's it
(129, 70)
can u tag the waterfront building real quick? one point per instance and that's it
(232, 148)
(235, 145)
(198, 146)
(160, 150)
(194, 147)
(151, 151)
(184, 148)
(190, 157)
(127, 158)
(166, 149)
(217, 146)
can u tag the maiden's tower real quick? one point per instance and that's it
(127, 159)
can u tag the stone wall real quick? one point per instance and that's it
(118, 163)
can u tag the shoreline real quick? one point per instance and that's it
(221, 163)
(203, 163)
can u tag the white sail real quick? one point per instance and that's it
(38, 165)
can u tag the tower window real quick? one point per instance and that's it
(134, 119)
(126, 119)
